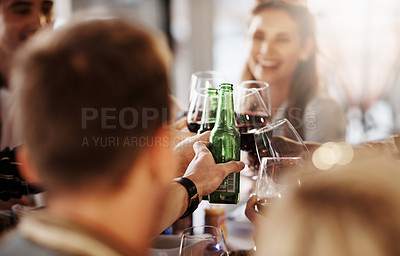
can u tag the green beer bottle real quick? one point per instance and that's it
(209, 111)
(225, 146)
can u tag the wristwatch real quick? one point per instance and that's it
(193, 196)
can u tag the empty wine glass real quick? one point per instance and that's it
(275, 174)
(251, 114)
(199, 82)
(279, 139)
(203, 240)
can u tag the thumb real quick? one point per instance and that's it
(250, 210)
(232, 166)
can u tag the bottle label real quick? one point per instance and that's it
(231, 183)
(228, 185)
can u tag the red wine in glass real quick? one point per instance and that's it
(194, 125)
(248, 123)
(206, 127)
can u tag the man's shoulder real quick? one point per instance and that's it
(15, 244)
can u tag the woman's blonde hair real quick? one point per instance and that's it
(352, 210)
(305, 81)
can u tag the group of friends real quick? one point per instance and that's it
(115, 199)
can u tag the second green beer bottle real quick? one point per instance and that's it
(225, 146)
(209, 111)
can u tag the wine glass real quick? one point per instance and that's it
(275, 174)
(199, 82)
(251, 114)
(262, 88)
(279, 139)
(203, 240)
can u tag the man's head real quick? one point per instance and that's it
(19, 19)
(90, 98)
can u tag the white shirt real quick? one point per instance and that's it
(324, 119)
(9, 136)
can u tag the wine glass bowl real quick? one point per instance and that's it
(248, 86)
(199, 82)
(206, 79)
(203, 240)
(275, 175)
(195, 110)
(279, 139)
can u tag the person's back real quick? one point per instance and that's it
(17, 244)
(347, 211)
(67, 83)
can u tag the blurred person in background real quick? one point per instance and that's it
(348, 210)
(283, 53)
(111, 198)
(19, 20)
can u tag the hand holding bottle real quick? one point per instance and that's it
(184, 151)
(205, 173)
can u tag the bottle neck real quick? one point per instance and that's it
(225, 112)
(210, 108)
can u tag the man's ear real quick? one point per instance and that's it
(308, 48)
(26, 169)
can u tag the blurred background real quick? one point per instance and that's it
(359, 49)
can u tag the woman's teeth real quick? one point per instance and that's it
(268, 63)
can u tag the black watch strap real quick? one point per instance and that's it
(192, 195)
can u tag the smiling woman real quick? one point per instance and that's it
(283, 53)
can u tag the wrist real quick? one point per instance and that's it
(181, 198)
(192, 195)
